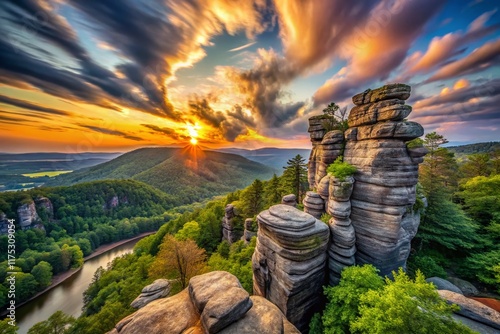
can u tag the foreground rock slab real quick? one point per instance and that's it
(212, 303)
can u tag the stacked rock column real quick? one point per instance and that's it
(385, 187)
(228, 224)
(289, 262)
(314, 204)
(342, 248)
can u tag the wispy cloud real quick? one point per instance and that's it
(110, 132)
(239, 48)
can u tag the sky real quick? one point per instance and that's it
(90, 76)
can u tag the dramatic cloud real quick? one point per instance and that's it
(460, 93)
(442, 49)
(32, 106)
(262, 87)
(165, 131)
(110, 132)
(378, 47)
(480, 59)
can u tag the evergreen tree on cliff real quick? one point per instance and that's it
(444, 225)
(294, 179)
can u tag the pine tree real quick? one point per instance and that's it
(272, 193)
(294, 179)
(252, 199)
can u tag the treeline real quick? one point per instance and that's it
(195, 237)
(459, 233)
(84, 217)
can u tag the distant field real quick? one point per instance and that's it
(49, 174)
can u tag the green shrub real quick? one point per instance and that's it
(325, 218)
(427, 265)
(417, 142)
(341, 169)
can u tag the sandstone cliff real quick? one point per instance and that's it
(375, 223)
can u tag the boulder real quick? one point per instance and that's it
(213, 303)
(472, 309)
(442, 284)
(158, 289)
(466, 287)
(224, 309)
(290, 200)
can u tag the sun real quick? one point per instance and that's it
(193, 132)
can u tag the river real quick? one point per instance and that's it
(67, 296)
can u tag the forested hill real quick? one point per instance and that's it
(487, 147)
(189, 174)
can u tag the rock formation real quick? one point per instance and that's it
(289, 261)
(27, 215)
(290, 200)
(384, 191)
(249, 231)
(212, 303)
(385, 187)
(343, 238)
(158, 289)
(314, 204)
(228, 225)
(43, 203)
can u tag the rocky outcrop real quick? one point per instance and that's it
(472, 309)
(380, 208)
(228, 225)
(342, 248)
(44, 204)
(290, 200)
(325, 150)
(385, 187)
(289, 261)
(250, 230)
(158, 289)
(212, 303)
(27, 215)
(314, 204)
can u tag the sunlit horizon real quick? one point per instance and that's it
(242, 74)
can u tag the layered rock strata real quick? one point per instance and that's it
(386, 177)
(228, 225)
(342, 247)
(289, 261)
(314, 204)
(325, 150)
(381, 206)
(212, 303)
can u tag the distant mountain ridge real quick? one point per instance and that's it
(269, 156)
(190, 174)
(486, 147)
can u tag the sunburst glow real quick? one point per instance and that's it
(193, 132)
